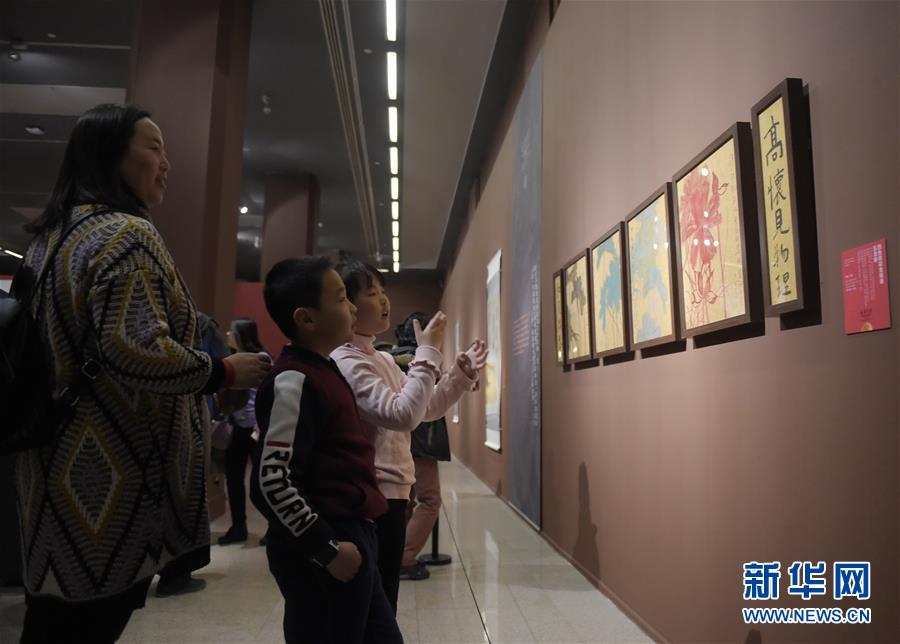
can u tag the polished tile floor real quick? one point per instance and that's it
(506, 584)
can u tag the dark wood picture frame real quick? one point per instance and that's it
(797, 152)
(748, 226)
(665, 191)
(626, 314)
(559, 317)
(582, 256)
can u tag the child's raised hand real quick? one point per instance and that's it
(433, 335)
(473, 360)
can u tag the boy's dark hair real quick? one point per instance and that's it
(292, 284)
(357, 275)
(406, 332)
(90, 168)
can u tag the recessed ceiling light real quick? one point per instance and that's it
(244, 210)
(321, 225)
(34, 130)
(367, 51)
(15, 56)
(378, 163)
(51, 35)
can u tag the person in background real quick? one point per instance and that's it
(429, 444)
(120, 491)
(243, 336)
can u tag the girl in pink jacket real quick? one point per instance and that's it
(394, 403)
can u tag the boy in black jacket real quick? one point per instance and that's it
(314, 474)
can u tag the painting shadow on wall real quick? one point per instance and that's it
(585, 551)
(753, 637)
(734, 334)
(679, 346)
(619, 358)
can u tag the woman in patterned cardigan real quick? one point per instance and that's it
(120, 492)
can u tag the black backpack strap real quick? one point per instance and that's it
(90, 368)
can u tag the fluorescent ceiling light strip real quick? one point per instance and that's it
(395, 188)
(396, 255)
(391, 19)
(395, 160)
(396, 267)
(392, 123)
(395, 228)
(392, 75)
(396, 242)
(395, 210)
(16, 255)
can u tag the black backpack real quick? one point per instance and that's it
(31, 415)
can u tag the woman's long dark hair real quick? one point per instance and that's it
(90, 169)
(247, 335)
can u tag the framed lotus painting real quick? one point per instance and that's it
(717, 240)
(577, 309)
(651, 296)
(559, 318)
(608, 286)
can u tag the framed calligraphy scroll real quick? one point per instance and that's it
(559, 317)
(651, 271)
(781, 146)
(717, 240)
(608, 286)
(577, 309)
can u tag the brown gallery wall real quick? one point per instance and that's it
(410, 292)
(663, 475)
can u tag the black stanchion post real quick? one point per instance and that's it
(435, 558)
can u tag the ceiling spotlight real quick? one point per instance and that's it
(395, 188)
(14, 56)
(244, 210)
(367, 51)
(392, 123)
(321, 224)
(34, 130)
(51, 35)
(396, 267)
(391, 19)
(267, 110)
(265, 99)
(395, 210)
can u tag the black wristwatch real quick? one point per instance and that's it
(327, 553)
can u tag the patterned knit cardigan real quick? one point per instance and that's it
(121, 490)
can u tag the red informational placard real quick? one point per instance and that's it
(867, 300)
